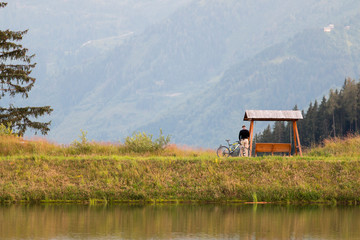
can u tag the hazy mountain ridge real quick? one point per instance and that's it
(166, 59)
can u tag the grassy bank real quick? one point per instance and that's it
(169, 178)
(176, 175)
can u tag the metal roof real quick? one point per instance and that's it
(272, 115)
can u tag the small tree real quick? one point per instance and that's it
(15, 79)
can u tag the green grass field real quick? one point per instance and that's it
(89, 172)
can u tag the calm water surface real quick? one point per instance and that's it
(179, 222)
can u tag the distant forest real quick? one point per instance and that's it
(337, 115)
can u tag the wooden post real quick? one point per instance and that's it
(251, 136)
(298, 138)
(294, 133)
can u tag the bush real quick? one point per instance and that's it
(83, 146)
(140, 142)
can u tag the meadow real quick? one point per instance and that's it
(143, 169)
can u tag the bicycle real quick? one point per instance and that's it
(233, 149)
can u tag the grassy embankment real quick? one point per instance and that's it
(45, 172)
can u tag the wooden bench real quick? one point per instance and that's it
(273, 147)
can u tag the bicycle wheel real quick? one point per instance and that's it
(223, 151)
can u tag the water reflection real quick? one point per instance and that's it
(179, 222)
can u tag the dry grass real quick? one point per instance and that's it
(13, 145)
(48, 178)
(337, 147)
(186, 151)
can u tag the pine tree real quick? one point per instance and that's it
(308, 130)
(15, 69)
(333, 106)
(323, 119)
(266, 136)
(350, 102)
(279, 132)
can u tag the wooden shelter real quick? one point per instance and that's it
(274, 115)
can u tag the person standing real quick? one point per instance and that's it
(244, 141)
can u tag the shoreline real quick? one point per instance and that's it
(101, 202)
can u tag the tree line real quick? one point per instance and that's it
(337, 115)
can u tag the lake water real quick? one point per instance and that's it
(184, 221)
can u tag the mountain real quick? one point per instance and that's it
(191, 70)
(279, 77)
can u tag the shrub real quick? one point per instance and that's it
(140, 142)
(83, 146)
